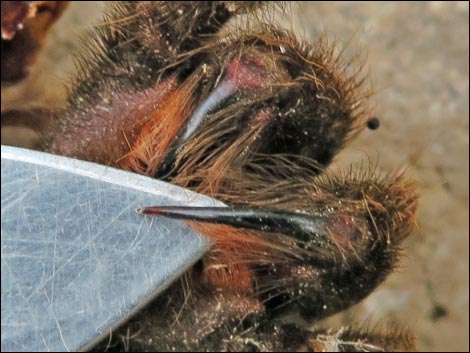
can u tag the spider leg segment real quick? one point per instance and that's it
(24, 26)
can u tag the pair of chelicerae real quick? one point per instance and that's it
(252, 118)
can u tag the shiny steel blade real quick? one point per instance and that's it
(76, 258)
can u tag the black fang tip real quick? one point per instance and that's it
(298, 225)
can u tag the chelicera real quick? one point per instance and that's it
(252, 118)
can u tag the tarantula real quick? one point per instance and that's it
(252, 117)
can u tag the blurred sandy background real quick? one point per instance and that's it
(418, 62)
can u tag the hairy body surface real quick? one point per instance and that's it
(252, 119)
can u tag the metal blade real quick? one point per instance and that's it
(77, 259)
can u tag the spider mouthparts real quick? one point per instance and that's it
(300, 226)
(140, 210)
(177, 212)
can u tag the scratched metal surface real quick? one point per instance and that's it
(76, 257)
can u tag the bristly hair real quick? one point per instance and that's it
(379, 338)
(271, 114)
(323, 85)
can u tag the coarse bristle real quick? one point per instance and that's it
(363, 339)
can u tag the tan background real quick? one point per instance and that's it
(418, 64)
